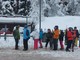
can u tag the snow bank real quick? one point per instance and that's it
(63, 22)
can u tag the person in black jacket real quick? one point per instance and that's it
(61, 36)
(49, 38)
(77, 36)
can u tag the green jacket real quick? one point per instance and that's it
(16, 34)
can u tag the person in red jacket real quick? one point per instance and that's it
(70, 38)
(74, 38)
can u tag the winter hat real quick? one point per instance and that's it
(75, 27)
(56, 27)
(70, 28)
(17, 27)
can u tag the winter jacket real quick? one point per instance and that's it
(41, 35)
(35, 34)
(49, 35)
(56, 34)
(26, 34)
(61, 36)
(77, 33)
(70, 35)
(16, 34)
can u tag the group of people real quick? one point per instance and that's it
(26, 36)
(71, 38)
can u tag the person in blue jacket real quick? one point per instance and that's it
(26, 36)
(40, 37)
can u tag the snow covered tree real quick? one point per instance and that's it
(0, 7)
(77, 12)
(15, 7)
(31, 7)
(7, 8)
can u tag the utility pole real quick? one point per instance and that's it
(73, 12)
(17, 6)
(39, 15)
(25, 7)
(5, 32)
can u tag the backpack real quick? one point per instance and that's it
(27, 33)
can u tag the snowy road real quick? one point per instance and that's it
(41, 54)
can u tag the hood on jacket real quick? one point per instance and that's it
(25, 26)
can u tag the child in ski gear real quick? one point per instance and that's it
(40, 38)
(61, 36)
(49, 38)
(16, 35)
(35, 35)
(26, 36)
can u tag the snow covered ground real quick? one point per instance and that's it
(7, 46)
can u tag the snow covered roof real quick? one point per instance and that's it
(12, 20)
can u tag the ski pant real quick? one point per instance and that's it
(61, 44)
(55, 44)
(36, 43)
(76, 41)
(40, 42)
(50, 43)
(73, 44)
(16, 43)
(25, 43)
(69, 43)
(66, 39)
